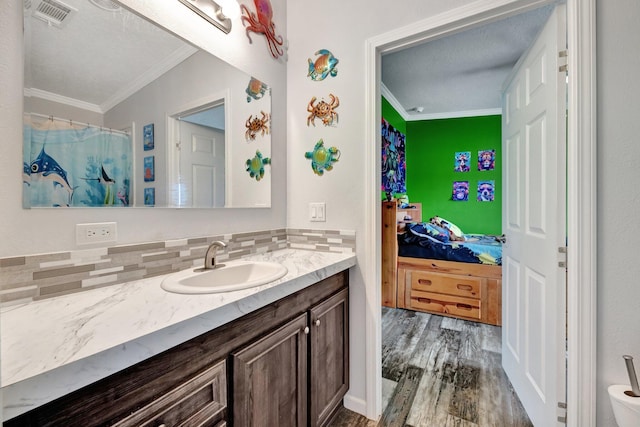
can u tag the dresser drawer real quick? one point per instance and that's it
(447, 304)
(469, 287)
(201, 401)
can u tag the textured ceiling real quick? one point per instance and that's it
(95, 54)
(98, 53)
(463, 71)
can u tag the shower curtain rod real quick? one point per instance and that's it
(72, 122)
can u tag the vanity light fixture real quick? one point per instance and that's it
(211, 11)
(107, 5)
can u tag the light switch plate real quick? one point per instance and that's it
(317, 212)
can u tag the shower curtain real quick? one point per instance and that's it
(68, 164)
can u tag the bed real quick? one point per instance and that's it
(457, 279)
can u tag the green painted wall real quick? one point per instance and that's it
(431, 146)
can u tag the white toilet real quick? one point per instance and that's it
(625, 408)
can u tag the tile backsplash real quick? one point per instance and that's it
(35, 277)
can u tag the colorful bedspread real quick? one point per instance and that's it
(416, 242)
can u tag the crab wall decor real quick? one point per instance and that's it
(257, 125)
(323, 110)
(323, 66)
(322, 158)
(261, 22)
(255, 166)
(255, 89)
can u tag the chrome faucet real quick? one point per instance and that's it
(210, 255)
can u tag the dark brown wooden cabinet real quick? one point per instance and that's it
(270, 378)
(252, 362)
(298, 374)
(329, 356)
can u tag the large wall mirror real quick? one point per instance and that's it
(119, 112)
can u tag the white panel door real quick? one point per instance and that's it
(534, 221)
(202, 165)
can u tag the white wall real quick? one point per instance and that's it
(341, 27)
(618, 68)
(45, 230)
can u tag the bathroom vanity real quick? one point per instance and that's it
(283, 359)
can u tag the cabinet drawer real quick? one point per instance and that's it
(200, 401)
(469, 287)
(447, 304)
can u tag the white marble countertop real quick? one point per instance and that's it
(54, 346)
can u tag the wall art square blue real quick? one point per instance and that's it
(486, 191)
(462, 160)
(149, 196)
(147, 137)
(149, 169)
(460, 191)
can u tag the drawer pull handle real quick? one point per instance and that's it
(425, 300)
(306, 330)
(464, 287)
(317, 322)
(424, 282)
(464, 306)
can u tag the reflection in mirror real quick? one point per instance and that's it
(183, 111)
(199, 154)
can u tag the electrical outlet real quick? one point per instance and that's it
(100, 232)
(317, 212)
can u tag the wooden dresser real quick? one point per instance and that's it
(467, 291)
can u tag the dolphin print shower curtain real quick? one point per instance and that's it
(67, 164)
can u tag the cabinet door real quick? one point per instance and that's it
(270, 378)
(329, 356)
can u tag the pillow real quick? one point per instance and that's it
(455, 230)
(427, 229)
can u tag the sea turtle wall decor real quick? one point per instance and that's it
(255, 166)
(257, 125)
(262, 22)
(323, 66)
(322, 158)
(323, 110)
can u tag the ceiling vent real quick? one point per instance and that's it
(53, 12)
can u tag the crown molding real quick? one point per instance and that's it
(60, 99)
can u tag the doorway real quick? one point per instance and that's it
(581, 299)
(196, 154)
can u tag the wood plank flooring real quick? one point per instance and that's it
(441, 372)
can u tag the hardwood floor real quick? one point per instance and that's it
(441, 372)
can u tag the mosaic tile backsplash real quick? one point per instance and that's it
(35, 277)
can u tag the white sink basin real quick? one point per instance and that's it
(230, 276)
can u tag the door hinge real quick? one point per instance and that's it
(562, 257)
(562, 418)
(562, 61)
